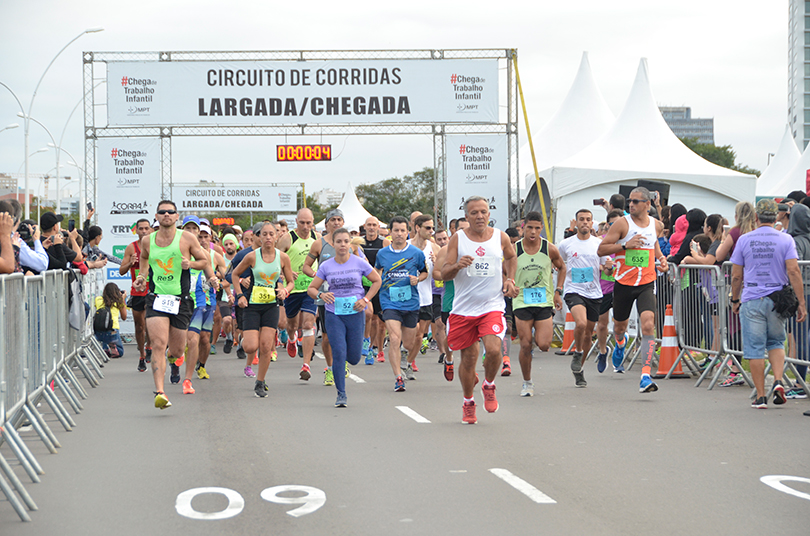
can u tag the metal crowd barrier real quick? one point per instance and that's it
(39, 351)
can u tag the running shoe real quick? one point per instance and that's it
(490, 402)
(415, 368)
(796, 393)
(174, 377)
(228, 346)
(778, 393)
(240, 352)
(441, 358)
(283, 337)
(300, 350)
(328, 377)
(734, 378)
(202, 373)
(255, 359)
(576, 362)
(187, 388)
(760, 403)
(409, 375)
(449, 373)
(291, 348)
(579, 377)
(366, 346)
(274, 356)
(806, 413)
(601, 362)
(260, 389)
(507, 369)
(249, 372)
(305, 374)
(148, 354)
(618, 356)
(369, 359)
(403, 353)
(647, 385)
(162, 401)
(528, 389)
(381, 357)
(399, 385)
(141, 365)
(341, 400)
(424, 348)
(180, 360)
(434, 345)
(468, 413)
(213, 350)
(619, 369)
(348, 370)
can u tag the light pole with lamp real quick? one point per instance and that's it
(73, 163)
(9, 127)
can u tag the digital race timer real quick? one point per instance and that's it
(303, 153)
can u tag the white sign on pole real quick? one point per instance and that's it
(312, 92)
(477, 165)
(229, 198)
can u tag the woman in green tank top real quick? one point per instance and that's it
(261, 300)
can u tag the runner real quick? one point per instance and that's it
(583, 295)
(260, 300)
(346, 302)
(482, 262)
(534, 305)
(438, 328)
(168, 304)
(375, 328)
(634, 240)
(231, 246)
(607, 282)
(422, 239)
(447, 299)
(131, 263)
(402, 267)
(300, 308)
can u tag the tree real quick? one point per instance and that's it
(399, 196)
(723, 155)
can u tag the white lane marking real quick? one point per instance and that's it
(235, 504)
(356, 378)
(412, 414)
(314, 498)
(775, 481)
(319, 355)
(522, 486)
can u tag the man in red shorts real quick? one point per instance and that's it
(481, 261)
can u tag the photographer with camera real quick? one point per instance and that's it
(92, 251)
(29, 257)
(60, 245)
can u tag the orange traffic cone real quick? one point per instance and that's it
(568, 335)
(670, 350)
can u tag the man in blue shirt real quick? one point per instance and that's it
(402, 267)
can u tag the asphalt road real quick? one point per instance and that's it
(600, 460)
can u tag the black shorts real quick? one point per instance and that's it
(445, 316)
(225, 309)
(437, 307)
(320, 320)
(137, 303)
(239, 316)
(508, 314)
(534, 314)
(408, 319)
(426, 314)
(257, 316)
(179, 321)
(375, 301)
(625, 295)
(607, 304)
(592, 306)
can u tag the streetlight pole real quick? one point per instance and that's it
(31, 106)
(73, 163)
(9, 127)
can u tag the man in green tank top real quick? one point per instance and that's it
(168, 252)
(537, 298)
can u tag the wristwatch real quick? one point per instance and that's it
(624, 247)
(558, 291)
(734, 301)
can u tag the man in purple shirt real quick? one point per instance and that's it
(764, 262)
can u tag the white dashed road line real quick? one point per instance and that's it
(356, 378)
(522, 486)
(412, 414)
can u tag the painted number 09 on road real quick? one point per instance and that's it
(312, 499)
(304, 153)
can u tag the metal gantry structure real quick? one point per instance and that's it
(96, 127)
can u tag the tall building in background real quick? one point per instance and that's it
(799, 71)
(682, 123)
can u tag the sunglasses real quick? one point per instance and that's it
(162, 212)
(428, 227)
(637, 200)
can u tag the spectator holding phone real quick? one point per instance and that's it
(62, 250)
(112, 302)
(92, 251)
(8, 262)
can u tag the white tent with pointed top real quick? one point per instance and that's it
(640, 145)
(354, 215)
(770, 182)
(793, 179)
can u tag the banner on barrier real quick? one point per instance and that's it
(477, 165)
(282, 92)
(229, 198)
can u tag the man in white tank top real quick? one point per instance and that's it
(422, 239)
(482, 262)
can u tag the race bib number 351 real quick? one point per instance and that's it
(262, 295)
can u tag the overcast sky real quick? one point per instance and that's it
(727, 60)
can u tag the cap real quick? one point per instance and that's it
(334, 213)
(49, 219)
(257, 229)
(236, 228)
(205, 221)
(767, 207)
(205, 229)
(191, 219)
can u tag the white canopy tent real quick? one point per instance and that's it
(793, 179)
(354, 215)
(640, 145)
(770, 182)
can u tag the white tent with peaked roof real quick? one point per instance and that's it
(769, 183)
(640, 145)
(794, 179)
(354, 215)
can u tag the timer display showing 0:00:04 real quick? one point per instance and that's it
(303, 153)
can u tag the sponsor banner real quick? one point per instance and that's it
(477, 165)
(128, 189)
(230, 198)
(289, 218)
(313, 92)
